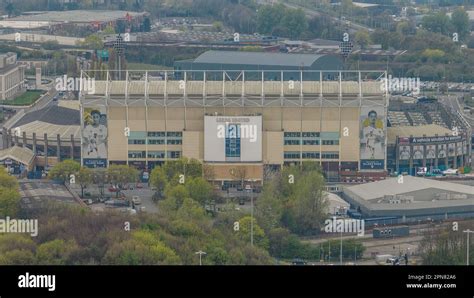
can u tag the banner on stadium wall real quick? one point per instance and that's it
(94, 137)
(418, 152)
(442, 151)
(451, 149)
(430, 151)
(233, 138)
(404, 153)
(372, 138)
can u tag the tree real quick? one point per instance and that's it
(244, 232)
(239, 173)
(158, 179)
(309, 203)
(99, 177)
(217, 26)
(56, 252)
(119, 175)
(199, 189)
(93, 42)
(269, 207)
(146, 25)
(295, 22)
(109, 30)
(144, 248)
(460, 22)
(9, 202)
(62, 171)
(7, 181)
(84, 177)
(10, 9)
(362, 38)
(439, 23)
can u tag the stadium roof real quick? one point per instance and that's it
(52, 130)
(19, 154)
(257, 58)
(391, 186)
(53, 114)
(416, 131)
(76, 16)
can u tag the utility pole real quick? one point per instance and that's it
(200, 253)
(468, 231)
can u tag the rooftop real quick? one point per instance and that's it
(257, 58)
(416, 131)
(391, 186)
(76, 16)
(19, 154)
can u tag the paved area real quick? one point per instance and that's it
(35, 192)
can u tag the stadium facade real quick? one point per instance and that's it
(338, 121)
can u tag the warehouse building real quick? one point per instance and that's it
(252, 63)
(410, 199)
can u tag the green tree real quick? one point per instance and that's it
(56, 252)
(143, 249)
(62, 171)
(84, 177)
(244, 233)
(199, 189)
(9, 202)
(460, 21)
(108, 30)
(295, 22)
(439, 23)
(7, 181)
(93, 42)
(158, 179)
(309, 203)
(120, 175)
(362, 38)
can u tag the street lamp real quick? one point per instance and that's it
(200, 253)
(468, 231)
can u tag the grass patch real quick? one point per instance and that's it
(145, 66)
(25, 99)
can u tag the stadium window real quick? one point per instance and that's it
(156, 142)
(174, 154)
(136, 154)
(291, 155)
(330, 155)
(136, 141)
(330, 142)
(310, 155)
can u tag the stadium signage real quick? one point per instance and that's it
(441, 139)
(377, 164)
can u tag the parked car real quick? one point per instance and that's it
(136, 200)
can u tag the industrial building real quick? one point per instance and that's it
(12, 76)
(252, 63)
(411, 199)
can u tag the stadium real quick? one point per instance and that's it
(341, 119)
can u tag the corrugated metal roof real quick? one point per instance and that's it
(19, 154)
(416, 131)
(257, 58)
